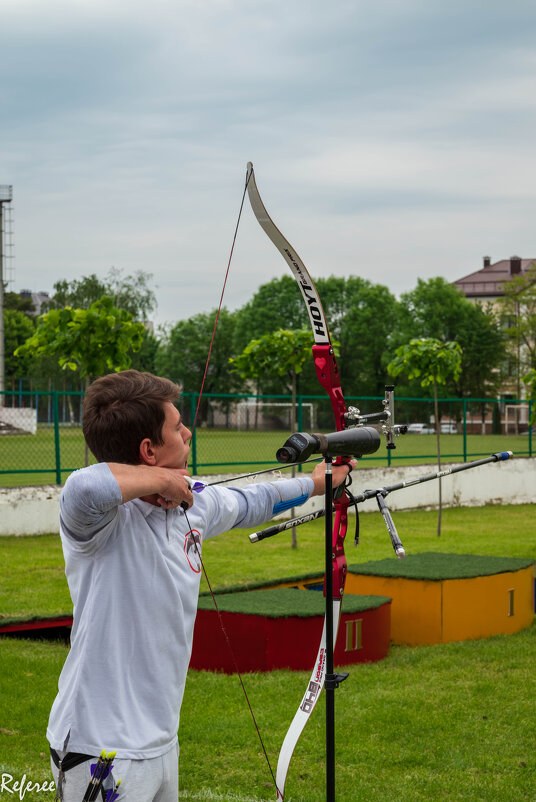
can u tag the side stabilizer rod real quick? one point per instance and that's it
(499, 456)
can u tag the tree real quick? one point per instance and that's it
(371, 312)
(90, 341)
(483, 342)
(18, 327)
(518, 311)
(361, 316)
(431, 362)
(439, 310)
(182, 355)
(145, 358)
(530, 381)
(276, 301)
(12, 300)
(131, 293)
(284, 353)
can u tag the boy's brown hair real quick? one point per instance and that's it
(121, 409)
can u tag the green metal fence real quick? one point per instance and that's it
(41, 439)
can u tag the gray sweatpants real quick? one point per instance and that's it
(153, 780)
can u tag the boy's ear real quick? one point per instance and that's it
(147, 453)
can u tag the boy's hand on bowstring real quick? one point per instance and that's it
(176, 492)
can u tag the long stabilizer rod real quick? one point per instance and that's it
(499, 456)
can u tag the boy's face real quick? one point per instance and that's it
(174, 451)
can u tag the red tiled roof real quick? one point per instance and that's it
(489, 280)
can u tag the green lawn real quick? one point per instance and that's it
(32, 580)
(449, 722)
(27, 459)
(453, 721)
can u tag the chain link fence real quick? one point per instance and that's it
(41, 439)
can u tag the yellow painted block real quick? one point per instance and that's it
(488, 605)
(416, 606)
(427, 612)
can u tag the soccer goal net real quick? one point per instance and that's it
(272, 415)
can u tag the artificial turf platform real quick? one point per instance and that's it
(435, 566)
(439, 597)
(281, 628)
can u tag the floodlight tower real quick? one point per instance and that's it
(6, 196)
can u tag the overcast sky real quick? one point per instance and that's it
(391, 139)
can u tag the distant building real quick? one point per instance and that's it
(486, 284)
(37, 298)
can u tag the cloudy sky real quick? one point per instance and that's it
(392, 139)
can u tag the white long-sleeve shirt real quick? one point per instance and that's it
(133, 573)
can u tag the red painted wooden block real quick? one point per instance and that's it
(281, 628)
(36, 624)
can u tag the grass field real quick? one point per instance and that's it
(452, 722)
(28, 459)
(32, 580)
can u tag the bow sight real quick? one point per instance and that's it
(348, 443)
(355, 441)
(387, 417)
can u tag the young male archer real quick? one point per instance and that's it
(134, 583)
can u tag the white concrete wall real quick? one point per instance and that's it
(25, 419)
(29, 510)
(35, 510)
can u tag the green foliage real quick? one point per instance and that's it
(360, 316)
(530, 381)
(436, 309)
(518, 308)
(145, 358)
(18, 327)
(366, 330)
(273, 304)
(483, 344)
(431, 362)
(92, 341)
(12, 300)
(428, 360)
(431, 310)
(282, 353)
(183, 353)
(130, 293)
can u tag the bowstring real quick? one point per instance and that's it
(218, 611)
(233, 656)
(248, 176)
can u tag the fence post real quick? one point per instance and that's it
(465, 430)
(55, 413)
(299, 424)
(194, 435)
(530, 428)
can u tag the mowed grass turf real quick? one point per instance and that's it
(453, 721)
(27, 459)
(32, 579)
